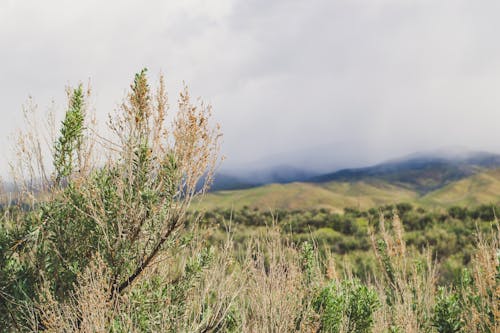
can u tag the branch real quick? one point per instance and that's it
(151, 256)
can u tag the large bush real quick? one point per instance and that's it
(124, 206)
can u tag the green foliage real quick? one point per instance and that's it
(109, 210)
(152, 296)
(307, 261)
(386, 261)
(481, 299)
(67, 146)
(448, 312)
(452, 239)
(349, 306)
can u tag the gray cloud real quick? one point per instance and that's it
(382, 77)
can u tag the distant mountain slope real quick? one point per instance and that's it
(333, 196)
(420, 173)
(224, 181)
(298, 164)
(281, 174)
(482, 188)
(468, 179)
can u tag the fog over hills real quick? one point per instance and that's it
(294, 165)
(422, 171)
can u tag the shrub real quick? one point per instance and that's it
(346, 307)
(130, 207)
(447, 312)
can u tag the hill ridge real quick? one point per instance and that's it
(423, 181)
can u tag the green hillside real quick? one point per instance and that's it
(333, 195)
(481, 188)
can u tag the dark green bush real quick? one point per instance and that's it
(348, 305)
(448, 312)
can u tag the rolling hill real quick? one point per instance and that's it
(482, 188)
(430, 181)
(294, 196)
(420, 172)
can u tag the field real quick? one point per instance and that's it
(132, 244)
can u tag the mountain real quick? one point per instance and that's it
(430, 179)
(481, 188)
(294, 165)
(224, 181)
(293, 196)
(282, 174)
(420, 172)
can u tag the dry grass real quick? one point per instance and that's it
(277, 294)
(407, 283)
(267, 289)
(483, 299)
(88, 310)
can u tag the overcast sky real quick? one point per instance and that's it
(372, 79)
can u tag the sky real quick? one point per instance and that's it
(358, 80)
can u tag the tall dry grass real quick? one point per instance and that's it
(275, 286)
(407, 281)
(481, 285)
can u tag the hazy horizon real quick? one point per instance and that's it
(320, 159)
(373, 79)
